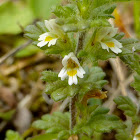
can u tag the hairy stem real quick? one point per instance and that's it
(80, 42)
(73, 100)
(73, 111)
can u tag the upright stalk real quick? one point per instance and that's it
(73, 100)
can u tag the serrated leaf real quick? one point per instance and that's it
(59, 94)
(100, 110)
(128, 41)
(50, 87)
(125, 134)
(133, 61)
(107, 9)
(64, 11)
(136, 83)
(49, 76)
(124, 103)
(119, 36)
(99, 122)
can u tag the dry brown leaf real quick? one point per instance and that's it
(97, 94)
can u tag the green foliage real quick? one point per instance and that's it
(57, 123)
(95, 119)
(125, 134)
(11, 135)
(136, 84)
(133, 61)
(90, 19)
(92, 80)
(44, 136)
(130, 109)
(59, 90)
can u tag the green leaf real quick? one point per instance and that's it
(124, 103)
(64, 11)
(40, 124)
(106, 9)
(63, 134)
(136, 84)
(51, 87)
(49, 76)
(125, 134)
(104, 123)
(133, 61)
(12, 14)
(59, 94)
(92, 80)
(100, 110)
(96, 119)
(119, 36)
(57, 123)
(54, 129)
(44, 136)
(12, 135)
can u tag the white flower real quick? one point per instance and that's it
(137, 134)
(71, 69)
(105, 37)
(50, 37)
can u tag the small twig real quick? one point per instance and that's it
(110, 103)
(116, 65)
(12, 52)
(64, 104)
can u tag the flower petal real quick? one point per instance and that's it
(52, 42)
(62, 72)
(43, 36)
(65, 59)
(104, 46)
(64, 76)
(42, 43)
(75, 81)
(82, 70)
(116, 50)
(70, 80)
(80, 74)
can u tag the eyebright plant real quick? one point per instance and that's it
(82, 35)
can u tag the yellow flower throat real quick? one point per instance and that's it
(48, 38)
(110, 44)
(72, 72)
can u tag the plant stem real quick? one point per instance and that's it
(73, 100)
(80, 42)
(73, 111)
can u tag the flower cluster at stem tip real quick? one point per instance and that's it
(71, 66)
